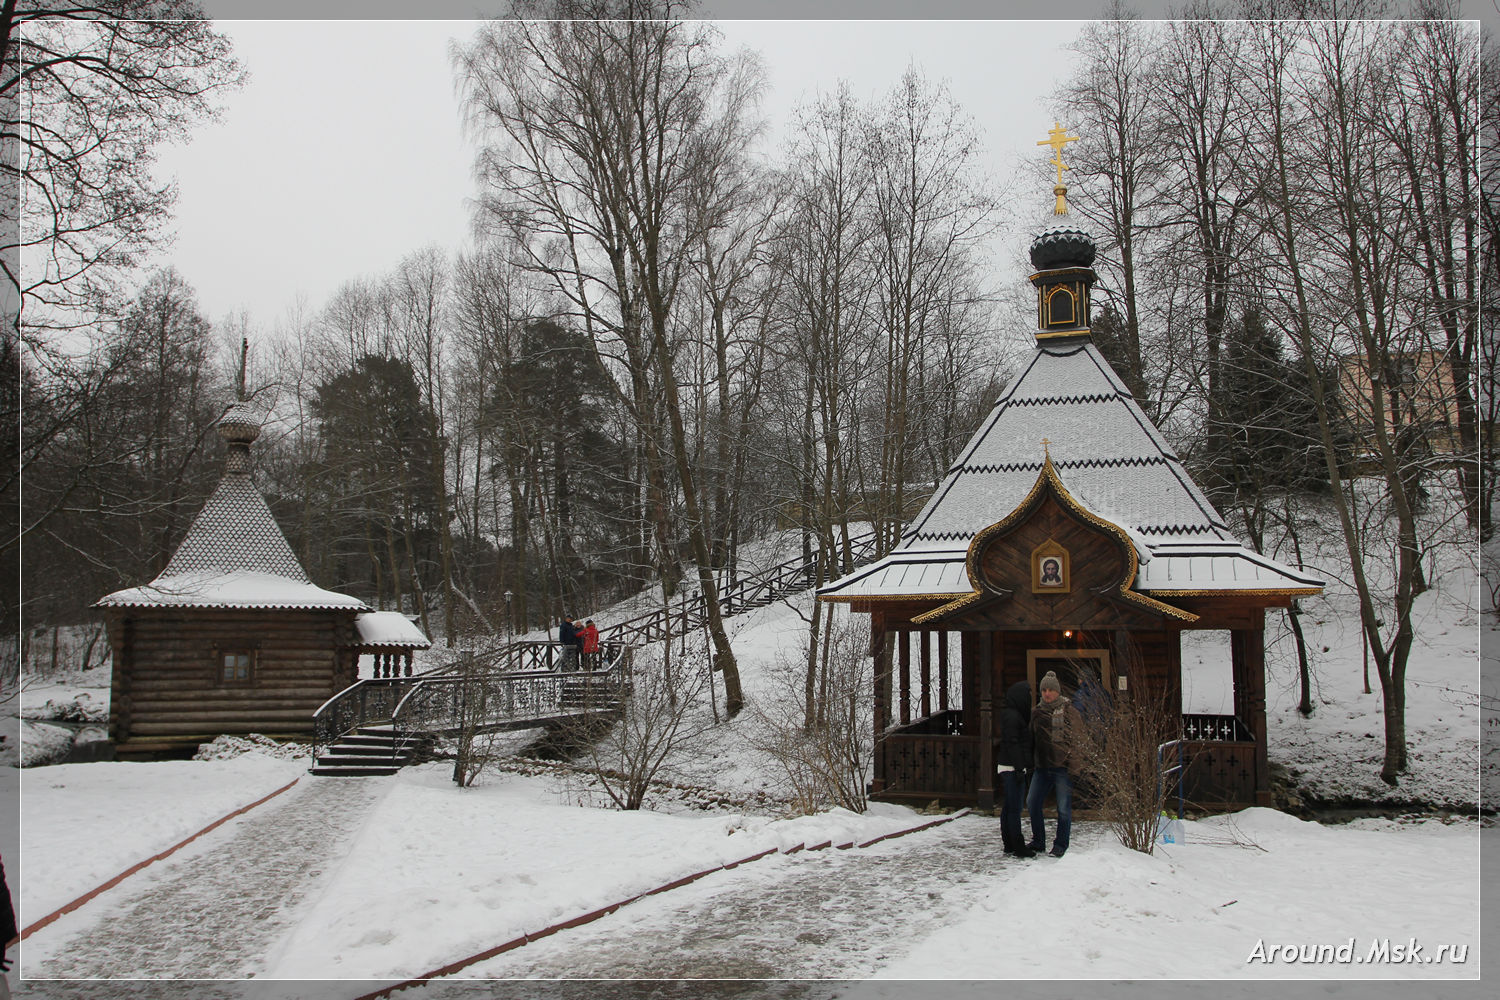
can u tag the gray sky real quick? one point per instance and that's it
(345, 151)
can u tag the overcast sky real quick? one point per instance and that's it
(345, 150)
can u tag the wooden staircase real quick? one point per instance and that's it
(369, 750)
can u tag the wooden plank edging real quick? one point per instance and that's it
(604, 911)
(81, 900)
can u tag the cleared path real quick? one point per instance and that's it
(814, 915)
(214, 909)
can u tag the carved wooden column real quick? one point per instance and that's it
(904, 649)
(880, 656)
(926, 640)
(1248, 655)
(942, 671)
(986, 790)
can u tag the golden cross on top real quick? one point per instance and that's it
(1057, 139)
(1046, 448)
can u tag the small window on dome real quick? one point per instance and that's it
(1061, 309)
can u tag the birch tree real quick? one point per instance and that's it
(597, 133)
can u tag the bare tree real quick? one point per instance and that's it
(930, 211)
(602, 132)
(87, 93)
(1110, 102)
(824, 762)
(657, 726)
(1125, 751)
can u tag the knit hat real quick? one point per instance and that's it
(1050, 683)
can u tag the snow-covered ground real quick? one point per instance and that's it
(86, 823)
(435, 873)
(1226, 901)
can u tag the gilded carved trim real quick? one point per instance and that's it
(1050, 479)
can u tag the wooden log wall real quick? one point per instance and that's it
(168, 686)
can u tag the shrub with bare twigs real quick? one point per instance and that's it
(1121, 743)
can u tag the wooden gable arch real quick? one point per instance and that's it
(1052, 564)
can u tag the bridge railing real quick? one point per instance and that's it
(481, 699)
(690, 611)
(376, 699)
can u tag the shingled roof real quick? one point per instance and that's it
(1067, 402)
(234, 554)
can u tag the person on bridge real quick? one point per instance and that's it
(568, 638)
(590, 636)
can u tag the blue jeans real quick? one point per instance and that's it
(1010, 810)
(1043, 781)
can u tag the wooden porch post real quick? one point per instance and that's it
(986, 790)
(1248, 656)
(880, 656)
(905, 651)
(942, 671)
(926, 639)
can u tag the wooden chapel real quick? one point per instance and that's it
(1067, 536)
(233, 637)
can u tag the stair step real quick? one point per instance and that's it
(368, 739)
(352, 771)
(363, 750)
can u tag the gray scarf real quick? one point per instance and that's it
(1059, 710)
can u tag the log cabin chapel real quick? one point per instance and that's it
(1067, 536)
(233, 637)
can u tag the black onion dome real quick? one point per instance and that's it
(1062, 248)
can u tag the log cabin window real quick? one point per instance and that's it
(236, 667)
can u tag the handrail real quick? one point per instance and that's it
(504, 697)
(372, 698)
(754, 590)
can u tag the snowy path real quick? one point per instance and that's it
(213, 910)
(813, 915)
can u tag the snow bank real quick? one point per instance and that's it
(1199, 909)
(83, 824)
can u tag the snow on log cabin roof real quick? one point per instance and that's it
(234, 554)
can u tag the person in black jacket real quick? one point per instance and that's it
(7, 930)
(567, 635)
(1014, 760)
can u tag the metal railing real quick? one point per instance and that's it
(442, 704)
(517, 665)
(690, 611)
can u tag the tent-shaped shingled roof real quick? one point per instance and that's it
(234, 554)
(1069, 403)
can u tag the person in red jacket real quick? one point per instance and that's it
(590, 645)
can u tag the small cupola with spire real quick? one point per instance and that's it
(1063, 257)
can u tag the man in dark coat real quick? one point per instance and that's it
(567, 635)
(1013, 759)
(1056, 728)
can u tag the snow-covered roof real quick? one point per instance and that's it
(235, 532)
(389, 628)
(1114, 462)
(234, 554)
(237, 589)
